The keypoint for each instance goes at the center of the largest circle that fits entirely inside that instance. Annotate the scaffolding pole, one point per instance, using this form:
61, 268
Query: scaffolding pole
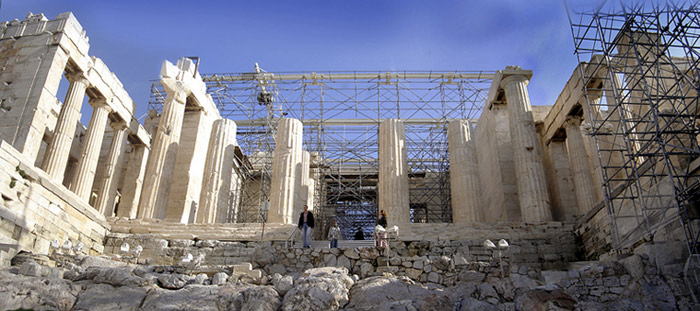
641, 84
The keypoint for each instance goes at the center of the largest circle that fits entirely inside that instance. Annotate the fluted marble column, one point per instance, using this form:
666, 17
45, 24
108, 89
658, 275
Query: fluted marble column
527, 153
161, 162
59, 148
302, 196
393, 194
285, 164
90, 153
112, 172
578, 163
131, 189
216, 191
464, 173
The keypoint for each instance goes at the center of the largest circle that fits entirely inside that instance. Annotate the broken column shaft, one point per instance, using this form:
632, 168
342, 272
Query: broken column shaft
464, 173
285, 164
216, 191
393, 194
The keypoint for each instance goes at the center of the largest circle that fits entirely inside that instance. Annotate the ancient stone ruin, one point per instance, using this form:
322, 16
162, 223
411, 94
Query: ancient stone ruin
588, 203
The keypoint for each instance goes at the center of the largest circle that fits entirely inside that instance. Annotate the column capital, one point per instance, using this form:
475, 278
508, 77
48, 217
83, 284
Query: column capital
514, 78
100, 103
178, 96
573, 121
118, 125
77, 76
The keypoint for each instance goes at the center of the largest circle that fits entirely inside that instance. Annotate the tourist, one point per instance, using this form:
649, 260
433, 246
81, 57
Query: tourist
306, 224
359, 235
382, 219
333, 234
380, 236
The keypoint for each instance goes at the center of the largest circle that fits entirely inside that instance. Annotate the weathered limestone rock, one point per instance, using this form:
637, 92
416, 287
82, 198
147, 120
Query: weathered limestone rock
22, 292
319, 289
200, 279
219, 278
581, 172
173, 281
107, 297
164, 299
112, 172
464, 173
544, 298
380, 293
248, 298
100, 261
30, 268
393, 172
216, 191
286, 161
282, 284
527, 154
59, 148
120, 276
87, 163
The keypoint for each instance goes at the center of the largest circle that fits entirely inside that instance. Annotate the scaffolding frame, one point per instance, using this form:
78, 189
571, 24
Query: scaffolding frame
641, 86
341, 112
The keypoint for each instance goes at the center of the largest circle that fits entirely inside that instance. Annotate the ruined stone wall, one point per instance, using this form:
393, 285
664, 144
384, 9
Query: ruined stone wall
35, 211
546, 246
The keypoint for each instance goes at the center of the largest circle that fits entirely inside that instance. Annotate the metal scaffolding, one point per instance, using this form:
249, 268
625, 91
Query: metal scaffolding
341, 112
641, 84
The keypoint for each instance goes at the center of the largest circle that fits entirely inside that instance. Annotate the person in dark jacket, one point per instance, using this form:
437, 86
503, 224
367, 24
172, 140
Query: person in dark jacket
382, 219
359, 235
306, 224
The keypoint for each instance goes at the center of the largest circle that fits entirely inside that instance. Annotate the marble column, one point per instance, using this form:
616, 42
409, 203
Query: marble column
110, 179
133, 177
59, 148
90, 153
393, 194
527, 154
161, 162
302, 196
285, 164
216, 191
578, 163
464, 173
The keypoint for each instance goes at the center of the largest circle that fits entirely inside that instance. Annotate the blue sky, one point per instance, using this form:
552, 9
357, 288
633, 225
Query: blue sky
134, 37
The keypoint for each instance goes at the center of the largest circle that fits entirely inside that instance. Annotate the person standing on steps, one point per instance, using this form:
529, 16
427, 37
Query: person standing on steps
380, 230
382, 219
334, 234
306, 224
359, 235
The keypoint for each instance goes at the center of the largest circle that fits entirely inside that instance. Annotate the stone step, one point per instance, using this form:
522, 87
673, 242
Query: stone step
314, 244
341, 244
578, 264
7, 246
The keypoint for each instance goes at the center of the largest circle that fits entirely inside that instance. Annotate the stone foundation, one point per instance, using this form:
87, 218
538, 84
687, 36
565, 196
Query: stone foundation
36, 210
545, 246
